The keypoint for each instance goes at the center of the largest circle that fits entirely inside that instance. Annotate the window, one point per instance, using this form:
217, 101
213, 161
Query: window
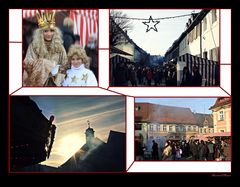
205, 130
164, 128
154, 128
205, 123
221, 116
151, 128
200, 130
189, 128
158, 127
194, 33
137, 108
194, 128
214, 15
213, 54
184, 129
138, 126
221, 130
177, 128
190, 37
170, 128
204, 24
198, 30
205, 55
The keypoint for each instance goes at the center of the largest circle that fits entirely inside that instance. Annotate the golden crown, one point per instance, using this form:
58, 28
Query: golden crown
46, 19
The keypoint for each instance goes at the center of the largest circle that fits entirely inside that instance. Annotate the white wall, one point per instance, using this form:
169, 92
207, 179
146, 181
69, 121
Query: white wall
210, 38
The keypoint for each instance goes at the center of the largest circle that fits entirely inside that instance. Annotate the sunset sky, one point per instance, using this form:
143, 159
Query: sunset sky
71, 113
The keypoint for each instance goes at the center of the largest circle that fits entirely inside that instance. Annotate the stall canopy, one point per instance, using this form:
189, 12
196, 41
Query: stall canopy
85, 22
216, 134
220, 134
119, 58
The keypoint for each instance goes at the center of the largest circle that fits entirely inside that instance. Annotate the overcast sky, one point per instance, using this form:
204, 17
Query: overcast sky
157, 43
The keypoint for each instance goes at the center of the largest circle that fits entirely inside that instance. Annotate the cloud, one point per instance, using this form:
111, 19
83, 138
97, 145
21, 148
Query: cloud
94, 107
92, 117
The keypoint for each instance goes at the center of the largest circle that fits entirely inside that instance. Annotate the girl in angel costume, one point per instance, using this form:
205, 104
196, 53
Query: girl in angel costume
79, 73
46, 54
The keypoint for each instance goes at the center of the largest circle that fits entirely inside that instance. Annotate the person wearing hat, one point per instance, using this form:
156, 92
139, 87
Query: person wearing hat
46, 59
79, 74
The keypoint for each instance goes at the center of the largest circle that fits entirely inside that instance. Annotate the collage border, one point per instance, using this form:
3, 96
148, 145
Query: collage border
224, 90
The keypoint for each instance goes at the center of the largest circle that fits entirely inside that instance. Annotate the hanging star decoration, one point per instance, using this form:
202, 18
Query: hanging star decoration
151, 24
74, 79
84, 77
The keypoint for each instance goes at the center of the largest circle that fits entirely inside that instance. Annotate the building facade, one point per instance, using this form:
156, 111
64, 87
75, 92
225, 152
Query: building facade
127, 45
201, 37
159, 122
221, 112
205, 123
31, 133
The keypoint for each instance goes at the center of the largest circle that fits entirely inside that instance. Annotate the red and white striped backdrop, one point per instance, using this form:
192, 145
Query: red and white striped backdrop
85, 22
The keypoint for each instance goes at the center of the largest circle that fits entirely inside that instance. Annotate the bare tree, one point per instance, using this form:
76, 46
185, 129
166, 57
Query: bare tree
118, 25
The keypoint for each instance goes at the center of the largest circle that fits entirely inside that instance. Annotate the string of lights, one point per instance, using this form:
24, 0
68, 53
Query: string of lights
144, 19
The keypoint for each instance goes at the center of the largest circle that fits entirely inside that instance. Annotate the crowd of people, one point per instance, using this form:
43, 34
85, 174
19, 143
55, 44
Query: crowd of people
55, 57
129, 75
194, 150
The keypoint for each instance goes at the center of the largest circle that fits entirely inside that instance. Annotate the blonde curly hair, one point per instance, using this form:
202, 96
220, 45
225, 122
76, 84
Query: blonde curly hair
80, 52
39, 44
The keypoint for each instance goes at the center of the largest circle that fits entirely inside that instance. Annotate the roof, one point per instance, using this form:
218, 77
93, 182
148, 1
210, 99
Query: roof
119, 58
129, 39
200, 118
107, 157
221, 102
118, 51
149, 112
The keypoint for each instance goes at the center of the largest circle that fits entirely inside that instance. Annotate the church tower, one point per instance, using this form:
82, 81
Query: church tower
89, 136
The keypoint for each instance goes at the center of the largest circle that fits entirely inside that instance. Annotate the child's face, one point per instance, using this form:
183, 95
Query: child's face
76, 61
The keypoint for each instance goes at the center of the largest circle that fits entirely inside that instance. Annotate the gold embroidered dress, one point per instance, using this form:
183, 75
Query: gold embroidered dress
38, 68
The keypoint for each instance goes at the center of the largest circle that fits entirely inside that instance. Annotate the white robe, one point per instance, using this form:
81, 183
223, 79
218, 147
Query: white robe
80, 77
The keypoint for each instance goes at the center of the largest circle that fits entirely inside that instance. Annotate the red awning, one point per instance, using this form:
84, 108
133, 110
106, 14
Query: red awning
218, 134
